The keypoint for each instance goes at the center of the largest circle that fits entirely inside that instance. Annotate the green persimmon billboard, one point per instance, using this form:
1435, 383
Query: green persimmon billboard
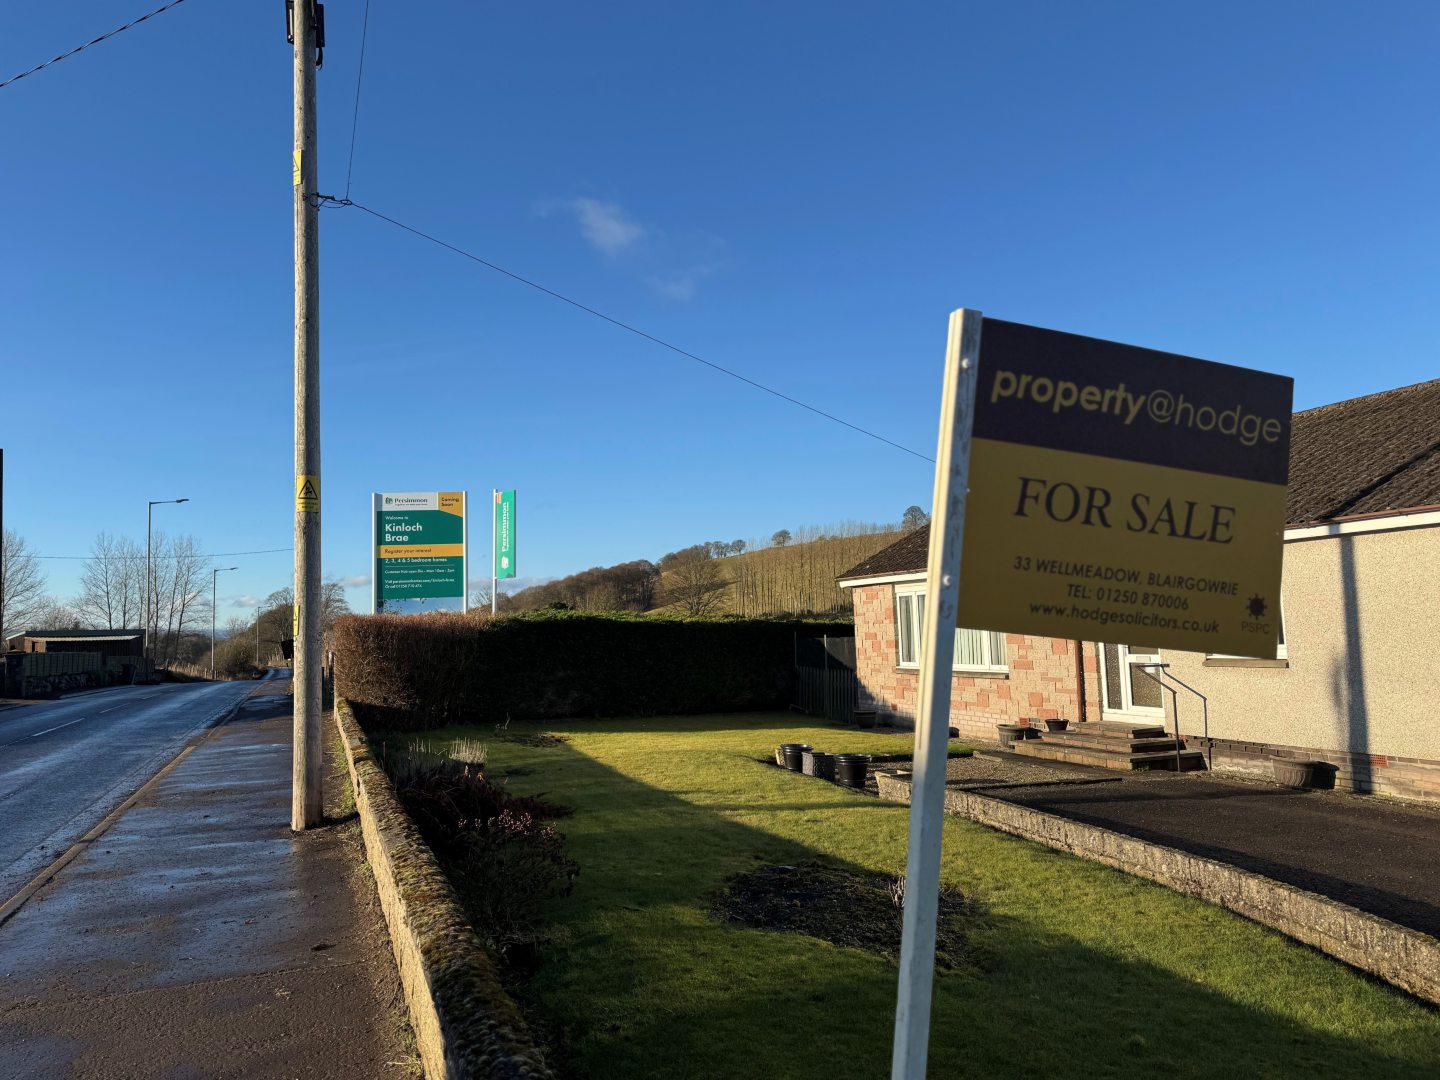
421, 547
504, 534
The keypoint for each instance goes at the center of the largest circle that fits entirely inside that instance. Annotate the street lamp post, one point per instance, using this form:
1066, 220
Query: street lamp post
150, 585
214, 574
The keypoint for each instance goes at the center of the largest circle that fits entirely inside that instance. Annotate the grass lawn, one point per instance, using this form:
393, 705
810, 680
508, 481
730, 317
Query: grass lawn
1080, 970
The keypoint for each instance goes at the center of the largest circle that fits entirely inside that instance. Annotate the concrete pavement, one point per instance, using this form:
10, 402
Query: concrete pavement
65, 764
199, 938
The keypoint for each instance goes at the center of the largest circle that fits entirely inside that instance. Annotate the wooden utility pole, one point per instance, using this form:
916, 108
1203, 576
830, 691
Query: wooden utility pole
306, 805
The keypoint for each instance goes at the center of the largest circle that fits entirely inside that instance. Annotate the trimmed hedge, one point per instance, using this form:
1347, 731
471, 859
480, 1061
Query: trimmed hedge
413, 672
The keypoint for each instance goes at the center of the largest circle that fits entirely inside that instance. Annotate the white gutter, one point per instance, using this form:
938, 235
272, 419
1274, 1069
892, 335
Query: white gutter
1390, 522
883, 579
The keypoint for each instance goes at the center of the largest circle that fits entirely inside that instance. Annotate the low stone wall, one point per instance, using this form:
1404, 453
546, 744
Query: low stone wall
465, 1024
1364, 774
1406, 958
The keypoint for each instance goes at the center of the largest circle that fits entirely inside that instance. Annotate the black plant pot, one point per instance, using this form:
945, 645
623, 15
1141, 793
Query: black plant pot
795, 755
851, 769
865, 718
1056, 725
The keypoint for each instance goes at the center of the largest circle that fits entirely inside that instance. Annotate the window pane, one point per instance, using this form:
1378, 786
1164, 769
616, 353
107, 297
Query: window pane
969, 648
1113, 699
997, 650
1145, 692
906, 627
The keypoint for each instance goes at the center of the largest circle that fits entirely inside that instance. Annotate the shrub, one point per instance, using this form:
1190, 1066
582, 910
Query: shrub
498, 849
412, 672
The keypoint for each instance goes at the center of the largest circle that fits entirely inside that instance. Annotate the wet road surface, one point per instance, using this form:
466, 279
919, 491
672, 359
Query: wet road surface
65, 764
200, 937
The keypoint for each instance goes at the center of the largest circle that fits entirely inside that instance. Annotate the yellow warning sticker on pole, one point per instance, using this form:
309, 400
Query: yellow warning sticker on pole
297, 168
307, 494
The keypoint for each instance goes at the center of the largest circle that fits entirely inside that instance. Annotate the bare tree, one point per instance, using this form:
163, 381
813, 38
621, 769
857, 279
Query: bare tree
53, 614
281, 603
693, 580
913, 518
112, 584
24, 584
181, 592
780, 538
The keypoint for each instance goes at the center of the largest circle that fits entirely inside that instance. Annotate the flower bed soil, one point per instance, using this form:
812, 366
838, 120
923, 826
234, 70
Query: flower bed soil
854, 910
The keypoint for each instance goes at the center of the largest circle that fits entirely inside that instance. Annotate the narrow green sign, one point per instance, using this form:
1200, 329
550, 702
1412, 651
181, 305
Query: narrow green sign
504, 534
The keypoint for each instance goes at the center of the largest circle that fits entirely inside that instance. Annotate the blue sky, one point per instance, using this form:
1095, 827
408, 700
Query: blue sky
801, 192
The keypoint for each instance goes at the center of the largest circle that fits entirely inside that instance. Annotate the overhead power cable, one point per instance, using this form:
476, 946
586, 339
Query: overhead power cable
97, 41
330, 200
355, 120
156, 558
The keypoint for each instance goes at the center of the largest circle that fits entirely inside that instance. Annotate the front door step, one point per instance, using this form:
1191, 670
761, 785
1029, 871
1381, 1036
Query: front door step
1108, 744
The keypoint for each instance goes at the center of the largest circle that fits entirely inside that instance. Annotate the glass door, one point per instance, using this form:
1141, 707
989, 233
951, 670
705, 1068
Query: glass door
1126, 687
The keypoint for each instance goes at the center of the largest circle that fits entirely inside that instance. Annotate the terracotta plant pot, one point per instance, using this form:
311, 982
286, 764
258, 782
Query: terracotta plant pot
1010, 734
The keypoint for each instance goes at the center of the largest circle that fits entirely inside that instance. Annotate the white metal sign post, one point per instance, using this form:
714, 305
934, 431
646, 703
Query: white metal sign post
932, 733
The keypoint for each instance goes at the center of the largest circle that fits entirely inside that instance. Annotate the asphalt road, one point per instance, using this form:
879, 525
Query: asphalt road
65, 764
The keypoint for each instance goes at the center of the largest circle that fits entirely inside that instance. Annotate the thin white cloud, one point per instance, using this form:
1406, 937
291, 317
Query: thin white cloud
679, 287
245, 602
355, 581
605, 225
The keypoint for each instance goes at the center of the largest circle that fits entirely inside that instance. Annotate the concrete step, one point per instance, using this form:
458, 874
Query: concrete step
1117, 729
1107, 742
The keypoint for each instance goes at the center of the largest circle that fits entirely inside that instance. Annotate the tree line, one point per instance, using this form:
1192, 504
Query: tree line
111, 596
793, 574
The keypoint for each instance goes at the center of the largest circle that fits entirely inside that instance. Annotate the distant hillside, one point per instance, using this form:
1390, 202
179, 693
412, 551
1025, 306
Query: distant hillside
796, 577
799, 577
791, 574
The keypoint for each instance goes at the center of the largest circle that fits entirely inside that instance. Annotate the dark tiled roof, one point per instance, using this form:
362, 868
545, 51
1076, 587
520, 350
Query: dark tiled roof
905, 555
1368, 455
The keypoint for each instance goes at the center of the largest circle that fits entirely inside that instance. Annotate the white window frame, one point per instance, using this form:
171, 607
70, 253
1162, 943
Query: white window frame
985, 642
1125, 690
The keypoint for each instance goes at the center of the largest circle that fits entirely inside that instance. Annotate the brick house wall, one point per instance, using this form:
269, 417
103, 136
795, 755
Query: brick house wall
1043, 681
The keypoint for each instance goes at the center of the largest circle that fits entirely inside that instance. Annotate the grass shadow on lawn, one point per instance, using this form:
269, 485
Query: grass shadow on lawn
1080, 970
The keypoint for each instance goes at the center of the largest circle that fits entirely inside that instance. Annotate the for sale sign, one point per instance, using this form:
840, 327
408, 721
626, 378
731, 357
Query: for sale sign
1122, 494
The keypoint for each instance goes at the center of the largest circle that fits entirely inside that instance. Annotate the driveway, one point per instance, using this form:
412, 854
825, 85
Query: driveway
1373, 854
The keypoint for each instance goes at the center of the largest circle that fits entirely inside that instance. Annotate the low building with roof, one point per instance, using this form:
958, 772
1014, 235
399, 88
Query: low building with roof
1356, 683
40, 662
